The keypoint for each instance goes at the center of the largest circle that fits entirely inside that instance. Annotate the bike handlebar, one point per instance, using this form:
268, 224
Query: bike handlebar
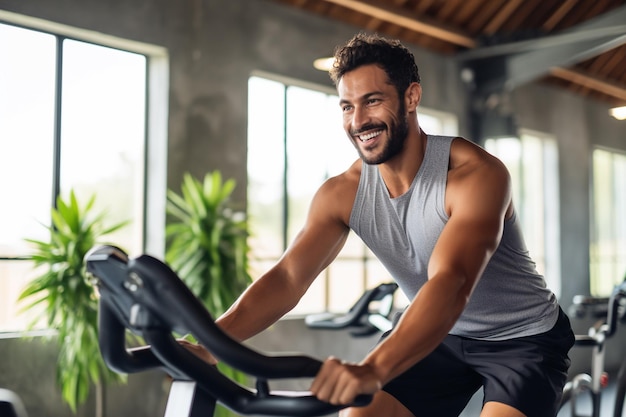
616, 303
146, 297
612, 309
360, 317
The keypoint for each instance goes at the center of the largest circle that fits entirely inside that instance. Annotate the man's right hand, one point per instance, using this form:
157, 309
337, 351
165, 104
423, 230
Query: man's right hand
199, 351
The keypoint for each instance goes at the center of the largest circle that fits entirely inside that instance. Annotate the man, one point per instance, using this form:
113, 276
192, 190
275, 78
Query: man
437, 212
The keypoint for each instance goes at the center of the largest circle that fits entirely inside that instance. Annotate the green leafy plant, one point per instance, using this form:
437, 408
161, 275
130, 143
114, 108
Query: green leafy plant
207, 241
207, 246
68, 300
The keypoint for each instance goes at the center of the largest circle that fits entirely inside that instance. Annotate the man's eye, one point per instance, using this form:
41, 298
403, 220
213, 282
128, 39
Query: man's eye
346, 108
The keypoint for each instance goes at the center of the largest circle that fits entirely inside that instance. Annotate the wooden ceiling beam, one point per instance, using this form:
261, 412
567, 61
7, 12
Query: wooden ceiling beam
503, 15
400, 17
585, 80
557, 16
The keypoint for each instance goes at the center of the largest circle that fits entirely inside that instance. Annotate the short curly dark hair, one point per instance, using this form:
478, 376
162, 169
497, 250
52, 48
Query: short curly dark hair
363, 49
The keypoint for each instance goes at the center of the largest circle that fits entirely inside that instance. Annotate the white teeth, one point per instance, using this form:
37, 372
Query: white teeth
365, 138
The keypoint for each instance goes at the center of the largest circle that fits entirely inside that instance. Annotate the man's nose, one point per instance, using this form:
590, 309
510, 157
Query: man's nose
360, 118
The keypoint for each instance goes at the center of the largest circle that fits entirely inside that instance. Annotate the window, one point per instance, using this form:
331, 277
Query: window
608, 227
295, 142
73, 115
532, 161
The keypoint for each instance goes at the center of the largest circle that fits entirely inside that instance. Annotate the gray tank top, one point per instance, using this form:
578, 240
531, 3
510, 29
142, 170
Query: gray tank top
510, 299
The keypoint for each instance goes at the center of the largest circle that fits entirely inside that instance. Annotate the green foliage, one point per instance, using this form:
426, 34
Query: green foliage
208, 248
207, 241
70, 305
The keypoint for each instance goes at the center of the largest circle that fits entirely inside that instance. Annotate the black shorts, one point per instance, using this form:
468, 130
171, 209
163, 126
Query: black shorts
527, 373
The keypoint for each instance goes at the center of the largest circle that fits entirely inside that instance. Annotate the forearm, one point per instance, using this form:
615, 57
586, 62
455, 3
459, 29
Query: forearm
261, 305
424, 325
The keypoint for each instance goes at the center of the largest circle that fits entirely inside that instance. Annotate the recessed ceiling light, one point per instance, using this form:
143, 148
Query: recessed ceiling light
324, 64
618, 112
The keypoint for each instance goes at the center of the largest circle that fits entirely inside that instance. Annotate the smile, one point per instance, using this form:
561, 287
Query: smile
369, 136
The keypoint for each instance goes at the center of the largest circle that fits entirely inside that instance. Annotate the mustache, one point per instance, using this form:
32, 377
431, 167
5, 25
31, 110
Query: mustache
365, 128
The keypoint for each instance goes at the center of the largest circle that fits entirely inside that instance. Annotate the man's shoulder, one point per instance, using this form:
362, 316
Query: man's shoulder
465, 154
348, 179
342, 185
471, 165
337, 194
475, 175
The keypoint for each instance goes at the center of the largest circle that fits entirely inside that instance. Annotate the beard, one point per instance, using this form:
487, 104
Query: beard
397, 134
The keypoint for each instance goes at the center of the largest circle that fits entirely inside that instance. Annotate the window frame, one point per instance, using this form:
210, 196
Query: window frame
600, 285
154, 158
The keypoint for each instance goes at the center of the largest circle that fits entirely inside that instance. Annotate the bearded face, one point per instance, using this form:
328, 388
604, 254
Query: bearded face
374, 115
396, 131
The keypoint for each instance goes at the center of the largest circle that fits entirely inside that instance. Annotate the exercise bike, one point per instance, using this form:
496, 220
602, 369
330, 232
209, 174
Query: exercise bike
144, 296
369, 315
609, 312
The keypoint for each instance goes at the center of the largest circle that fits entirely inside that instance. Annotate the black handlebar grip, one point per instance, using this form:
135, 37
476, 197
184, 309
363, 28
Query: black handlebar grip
112, 336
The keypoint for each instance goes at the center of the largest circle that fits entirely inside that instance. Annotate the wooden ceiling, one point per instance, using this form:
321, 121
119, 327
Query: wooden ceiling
579, 45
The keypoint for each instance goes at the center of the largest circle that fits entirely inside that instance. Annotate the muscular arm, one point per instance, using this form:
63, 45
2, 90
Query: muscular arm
317, 244
477, 200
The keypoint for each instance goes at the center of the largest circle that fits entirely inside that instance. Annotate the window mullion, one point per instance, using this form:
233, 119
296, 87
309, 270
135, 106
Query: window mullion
58, 106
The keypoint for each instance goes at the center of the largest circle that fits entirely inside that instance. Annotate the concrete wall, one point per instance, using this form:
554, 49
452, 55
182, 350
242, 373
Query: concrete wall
28, 367
214, 46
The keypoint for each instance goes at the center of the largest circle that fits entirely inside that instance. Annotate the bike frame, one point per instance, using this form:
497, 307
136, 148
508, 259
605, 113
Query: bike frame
595, 381
144, 296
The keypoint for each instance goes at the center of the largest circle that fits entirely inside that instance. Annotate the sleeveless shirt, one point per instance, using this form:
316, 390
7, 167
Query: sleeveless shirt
510, 299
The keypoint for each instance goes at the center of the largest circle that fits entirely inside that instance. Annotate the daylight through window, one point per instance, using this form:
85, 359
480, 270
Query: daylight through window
72, 117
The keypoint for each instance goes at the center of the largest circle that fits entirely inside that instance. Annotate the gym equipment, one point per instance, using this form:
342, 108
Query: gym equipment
369, 315
610, 311
11, 405
143, 295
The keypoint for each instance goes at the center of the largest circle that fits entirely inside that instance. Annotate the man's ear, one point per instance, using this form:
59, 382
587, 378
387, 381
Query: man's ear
413, 96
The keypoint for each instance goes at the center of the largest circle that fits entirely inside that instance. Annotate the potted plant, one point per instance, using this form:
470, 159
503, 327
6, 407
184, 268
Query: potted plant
68, 300
207, 245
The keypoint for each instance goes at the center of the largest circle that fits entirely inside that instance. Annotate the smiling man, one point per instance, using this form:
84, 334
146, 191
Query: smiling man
437, 212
